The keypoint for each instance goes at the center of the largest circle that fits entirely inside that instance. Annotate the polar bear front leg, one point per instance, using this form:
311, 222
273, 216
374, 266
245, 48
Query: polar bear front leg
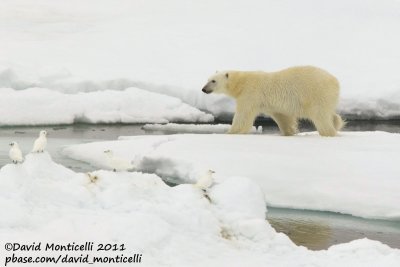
243, 119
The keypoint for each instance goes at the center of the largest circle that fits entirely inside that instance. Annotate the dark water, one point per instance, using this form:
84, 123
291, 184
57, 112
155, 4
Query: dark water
391, 126
315, 230
320, 230
61, 136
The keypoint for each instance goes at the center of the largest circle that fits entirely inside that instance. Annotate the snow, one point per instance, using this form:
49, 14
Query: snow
241, 197
170, 226
194, 128
355, 173
172, 49
104, 61
38, 106
368, 107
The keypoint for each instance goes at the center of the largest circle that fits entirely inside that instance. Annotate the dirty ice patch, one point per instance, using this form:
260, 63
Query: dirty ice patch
194, 128
37, 106
355, 173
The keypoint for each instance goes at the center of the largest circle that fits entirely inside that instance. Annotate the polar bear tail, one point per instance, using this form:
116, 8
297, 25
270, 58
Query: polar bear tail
338, 122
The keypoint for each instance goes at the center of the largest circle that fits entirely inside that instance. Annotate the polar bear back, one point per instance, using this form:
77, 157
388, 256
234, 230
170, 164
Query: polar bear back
299, 91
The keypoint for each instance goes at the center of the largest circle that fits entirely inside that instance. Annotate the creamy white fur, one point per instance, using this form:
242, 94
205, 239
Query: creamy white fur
288, 95
15, 153
206, 180
40, 143
116, 163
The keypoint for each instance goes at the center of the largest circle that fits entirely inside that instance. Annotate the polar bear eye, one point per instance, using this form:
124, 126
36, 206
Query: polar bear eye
213, 81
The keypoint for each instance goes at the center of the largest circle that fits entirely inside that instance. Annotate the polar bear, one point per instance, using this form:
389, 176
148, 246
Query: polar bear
298, 92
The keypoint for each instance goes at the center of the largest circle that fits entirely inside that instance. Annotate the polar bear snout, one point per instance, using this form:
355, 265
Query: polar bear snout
206, 89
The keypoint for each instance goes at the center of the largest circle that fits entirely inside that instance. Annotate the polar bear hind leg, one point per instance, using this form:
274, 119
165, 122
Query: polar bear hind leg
287, 124
324, 124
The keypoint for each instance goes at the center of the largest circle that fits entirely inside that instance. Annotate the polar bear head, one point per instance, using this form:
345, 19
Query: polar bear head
218, 83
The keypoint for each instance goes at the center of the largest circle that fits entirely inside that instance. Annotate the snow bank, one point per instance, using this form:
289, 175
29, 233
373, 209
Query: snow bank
369, 107
356, 173
169, 226
78, 46
194, 128
42, 106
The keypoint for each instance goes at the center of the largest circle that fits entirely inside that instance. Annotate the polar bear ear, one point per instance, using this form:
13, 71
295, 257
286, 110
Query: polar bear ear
227, 75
